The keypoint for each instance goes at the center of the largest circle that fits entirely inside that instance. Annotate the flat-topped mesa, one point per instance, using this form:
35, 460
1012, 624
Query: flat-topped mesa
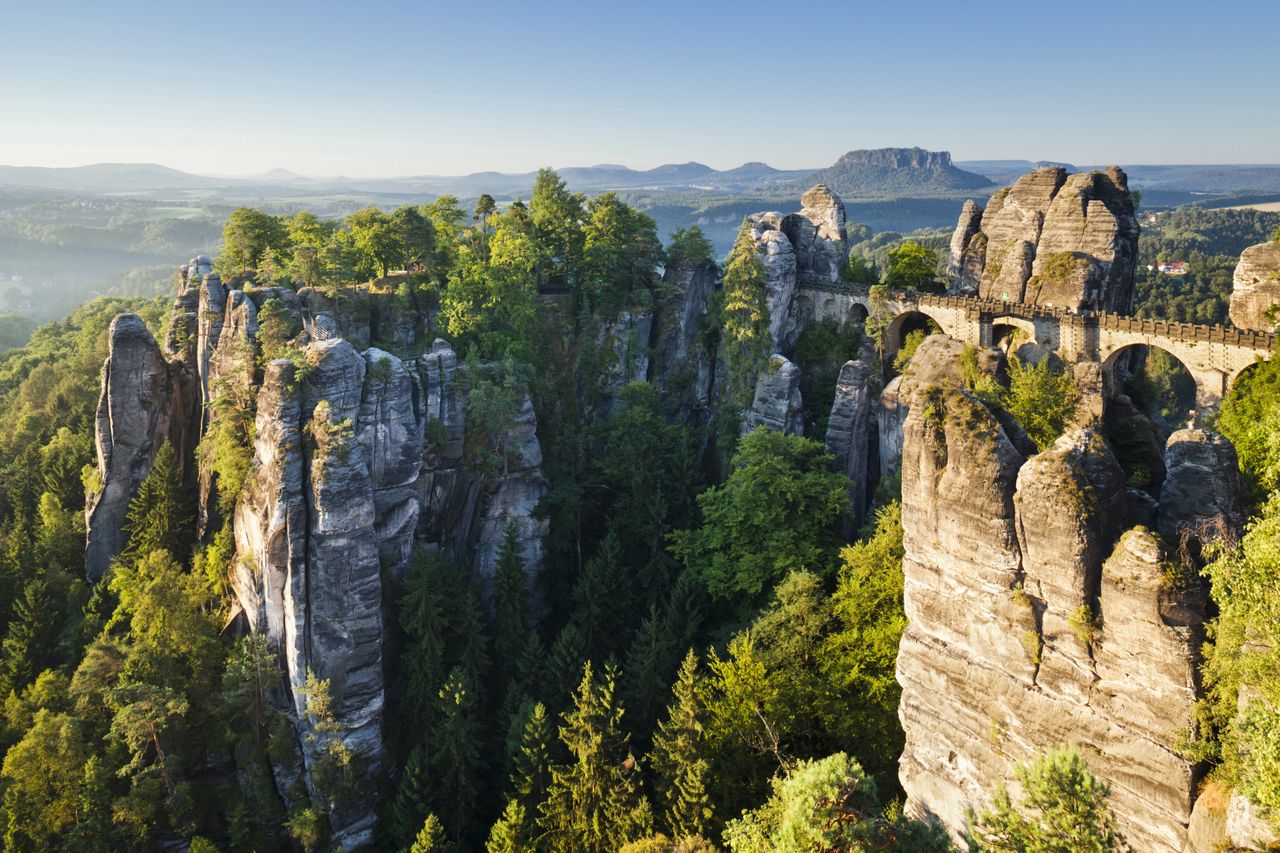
1255, 288
1052, 238
1036, 619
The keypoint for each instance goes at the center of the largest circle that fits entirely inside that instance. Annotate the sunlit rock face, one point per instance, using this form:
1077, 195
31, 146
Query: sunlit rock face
1255, 288
1037, 619
1052, 238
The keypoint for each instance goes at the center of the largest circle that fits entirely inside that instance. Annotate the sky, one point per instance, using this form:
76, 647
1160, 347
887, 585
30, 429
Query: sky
381, 88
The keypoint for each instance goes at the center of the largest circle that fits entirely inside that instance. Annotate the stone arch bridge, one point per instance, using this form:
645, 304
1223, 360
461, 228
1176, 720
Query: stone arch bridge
1215, 356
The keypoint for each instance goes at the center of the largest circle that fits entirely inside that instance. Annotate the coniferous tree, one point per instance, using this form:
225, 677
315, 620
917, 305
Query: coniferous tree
413, 796
745, 333
160, 516
455, 765
431, 837
595, 802
512, 832
564, 664
677, 760
511, 619
599, 602
650, 664
422, 619
31, 643
531, 767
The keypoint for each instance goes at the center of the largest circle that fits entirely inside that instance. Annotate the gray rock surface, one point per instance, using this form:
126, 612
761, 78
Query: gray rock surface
1031, 624
849, 432
140, 406
777, 403
779, 258
964, 265
1202, 485
817, 234
1256, 286
1068, 241
1247, 828
682, 366
624, 342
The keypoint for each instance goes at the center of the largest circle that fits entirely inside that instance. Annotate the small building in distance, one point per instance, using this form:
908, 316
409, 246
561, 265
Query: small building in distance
1172, 267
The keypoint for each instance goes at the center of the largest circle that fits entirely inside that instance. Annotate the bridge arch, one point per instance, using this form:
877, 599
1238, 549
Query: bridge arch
904, 324
1189, 385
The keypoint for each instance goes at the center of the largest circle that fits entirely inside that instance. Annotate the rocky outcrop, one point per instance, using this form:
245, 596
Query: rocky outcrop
777, 403
849, 433
817, 234
937, 362
779, 258
624, 347
141, 406
1256, 287
1202, 486
683, 367
1033, 621
964, 268
1068, 241
359, 456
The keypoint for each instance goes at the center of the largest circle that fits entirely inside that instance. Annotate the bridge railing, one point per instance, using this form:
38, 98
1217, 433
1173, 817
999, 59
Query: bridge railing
1183, 332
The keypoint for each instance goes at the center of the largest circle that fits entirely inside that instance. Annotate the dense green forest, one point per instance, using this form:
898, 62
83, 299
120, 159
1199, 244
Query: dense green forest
712, 665
1210, 243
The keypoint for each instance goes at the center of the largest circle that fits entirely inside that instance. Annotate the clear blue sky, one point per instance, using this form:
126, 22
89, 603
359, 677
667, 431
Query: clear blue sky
396, 88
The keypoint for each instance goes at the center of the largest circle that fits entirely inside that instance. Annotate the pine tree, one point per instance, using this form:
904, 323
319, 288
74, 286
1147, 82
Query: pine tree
160, 516
413, 797
564, 664
677, 761
31, 643
422, 619
598, 600
594, 802
511, 834
511, 620
431, 837
455, 765
651, 662
531, 766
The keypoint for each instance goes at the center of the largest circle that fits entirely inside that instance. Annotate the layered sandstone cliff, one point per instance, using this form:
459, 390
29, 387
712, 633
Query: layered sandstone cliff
1054, 239
1255, 288
358, 457
1036, 618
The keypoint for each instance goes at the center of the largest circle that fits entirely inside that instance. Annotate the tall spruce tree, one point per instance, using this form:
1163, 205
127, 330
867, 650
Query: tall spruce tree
456, 770
30, 645
511, 618
595, 802
650, 663
531, 765
412, 799
677, 760
160, 517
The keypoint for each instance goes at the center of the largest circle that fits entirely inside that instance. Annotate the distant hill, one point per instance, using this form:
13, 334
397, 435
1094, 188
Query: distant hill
104, 177
1004, 172
905, 172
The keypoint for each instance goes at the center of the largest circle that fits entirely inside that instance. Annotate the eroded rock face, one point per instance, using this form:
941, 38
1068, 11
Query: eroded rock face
849, 432
777, 403
1034, 622
817, 234
625, 342
1069, 241
683, 368
139, 408
935, 363
964, 269
357, 460
1256, 286
1202, 485
779, 258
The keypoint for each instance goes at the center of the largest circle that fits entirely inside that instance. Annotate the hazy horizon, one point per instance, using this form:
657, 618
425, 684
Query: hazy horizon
396, 88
